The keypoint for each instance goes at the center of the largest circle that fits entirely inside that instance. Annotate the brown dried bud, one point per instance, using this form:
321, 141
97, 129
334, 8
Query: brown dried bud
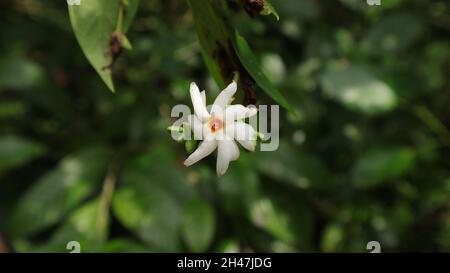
253, 7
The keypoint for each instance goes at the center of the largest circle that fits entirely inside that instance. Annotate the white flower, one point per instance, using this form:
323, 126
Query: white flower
220, 127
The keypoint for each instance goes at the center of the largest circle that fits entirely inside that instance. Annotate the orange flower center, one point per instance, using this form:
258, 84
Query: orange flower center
215, 124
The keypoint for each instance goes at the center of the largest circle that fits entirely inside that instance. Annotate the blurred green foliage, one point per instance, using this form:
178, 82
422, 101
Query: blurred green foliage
365, 159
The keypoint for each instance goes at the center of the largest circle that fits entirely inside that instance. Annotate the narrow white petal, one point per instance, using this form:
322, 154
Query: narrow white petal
238, 112
205, 148
224, 98
196, 126
243, 133
227, 151
203, 93
197, 102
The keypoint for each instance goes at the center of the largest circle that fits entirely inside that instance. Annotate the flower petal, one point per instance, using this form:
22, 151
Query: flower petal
203, 93
197, 102
224, 98
227, 151
243, 133
238, 112
205, 148
196, 127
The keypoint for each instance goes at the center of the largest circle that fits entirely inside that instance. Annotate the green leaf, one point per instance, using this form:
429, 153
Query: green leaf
130, 13
228, 246
160, 164
392, 34
124, 245
293, 166
298, 10
381, 165
149, 202
358, 90
19, 73
125, 42
332, 238
198, 225
190, 145
93, 23
226, 52
283, 214
274, 68
59, 191
252, 66
213, 36
150, 212
266, 215
81, 227
269, 9
240, 187
16, 151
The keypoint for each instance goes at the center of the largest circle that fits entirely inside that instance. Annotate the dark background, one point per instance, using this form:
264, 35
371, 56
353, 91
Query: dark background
367, 158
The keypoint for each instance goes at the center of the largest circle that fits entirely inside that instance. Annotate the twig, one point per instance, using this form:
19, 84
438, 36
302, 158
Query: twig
433, 123
105, 199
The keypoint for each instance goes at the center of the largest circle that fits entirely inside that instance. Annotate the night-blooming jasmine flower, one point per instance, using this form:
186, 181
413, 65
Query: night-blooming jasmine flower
220, 127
